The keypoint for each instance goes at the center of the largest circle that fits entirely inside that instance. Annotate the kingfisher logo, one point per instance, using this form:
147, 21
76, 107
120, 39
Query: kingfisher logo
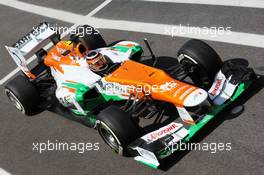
171, 128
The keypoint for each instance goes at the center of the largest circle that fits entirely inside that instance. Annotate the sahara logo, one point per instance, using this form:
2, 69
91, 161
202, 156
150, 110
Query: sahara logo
162, 132
217, 86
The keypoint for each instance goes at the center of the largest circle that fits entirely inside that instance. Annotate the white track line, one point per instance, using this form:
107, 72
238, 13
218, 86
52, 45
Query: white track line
43, 11
240, 38
236, 3
60, 14
4, 172
97, 9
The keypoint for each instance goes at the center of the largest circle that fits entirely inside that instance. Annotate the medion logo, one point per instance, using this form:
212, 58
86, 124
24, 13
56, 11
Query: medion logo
162, 132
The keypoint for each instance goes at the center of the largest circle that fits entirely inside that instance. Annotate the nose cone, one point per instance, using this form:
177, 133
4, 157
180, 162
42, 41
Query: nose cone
195, 98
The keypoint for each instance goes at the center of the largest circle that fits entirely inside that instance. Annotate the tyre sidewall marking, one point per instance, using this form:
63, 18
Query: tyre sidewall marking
120, 148
16, 100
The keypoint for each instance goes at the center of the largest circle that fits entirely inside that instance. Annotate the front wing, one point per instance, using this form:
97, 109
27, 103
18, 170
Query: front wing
156, 145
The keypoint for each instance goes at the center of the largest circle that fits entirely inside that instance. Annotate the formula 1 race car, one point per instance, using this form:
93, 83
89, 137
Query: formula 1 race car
140, 109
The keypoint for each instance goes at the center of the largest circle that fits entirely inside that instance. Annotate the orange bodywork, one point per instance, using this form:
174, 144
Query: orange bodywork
137, 74
55, 56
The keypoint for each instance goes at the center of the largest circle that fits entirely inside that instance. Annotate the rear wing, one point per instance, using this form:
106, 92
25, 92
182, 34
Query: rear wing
30, 42
35, 37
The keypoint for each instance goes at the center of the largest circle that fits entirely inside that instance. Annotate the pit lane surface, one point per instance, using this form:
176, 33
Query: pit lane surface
245, 133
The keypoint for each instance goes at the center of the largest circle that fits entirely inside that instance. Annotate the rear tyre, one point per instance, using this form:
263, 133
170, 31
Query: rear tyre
90, 37
204, 60
23, 95
117, 129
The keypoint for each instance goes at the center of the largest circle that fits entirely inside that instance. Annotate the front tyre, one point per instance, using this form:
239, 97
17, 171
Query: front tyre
204, 60
23, 95
117, 129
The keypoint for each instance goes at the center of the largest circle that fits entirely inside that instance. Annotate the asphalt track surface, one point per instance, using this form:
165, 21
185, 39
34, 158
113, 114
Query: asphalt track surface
245, 132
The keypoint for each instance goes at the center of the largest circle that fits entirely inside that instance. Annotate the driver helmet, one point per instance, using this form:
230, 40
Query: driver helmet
96, 61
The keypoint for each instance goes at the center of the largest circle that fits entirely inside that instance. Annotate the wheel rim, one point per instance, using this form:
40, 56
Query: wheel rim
199, 75
109, 137
14, 100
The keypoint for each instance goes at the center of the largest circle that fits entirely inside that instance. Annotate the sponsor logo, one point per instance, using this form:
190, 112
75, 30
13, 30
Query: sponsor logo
168, 86
30, 36
217, 86
162, 132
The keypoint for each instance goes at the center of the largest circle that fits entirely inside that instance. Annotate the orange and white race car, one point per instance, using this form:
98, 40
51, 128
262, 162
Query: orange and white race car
111, 88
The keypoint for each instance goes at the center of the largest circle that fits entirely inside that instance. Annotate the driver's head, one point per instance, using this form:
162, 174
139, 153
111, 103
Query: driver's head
96, 61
